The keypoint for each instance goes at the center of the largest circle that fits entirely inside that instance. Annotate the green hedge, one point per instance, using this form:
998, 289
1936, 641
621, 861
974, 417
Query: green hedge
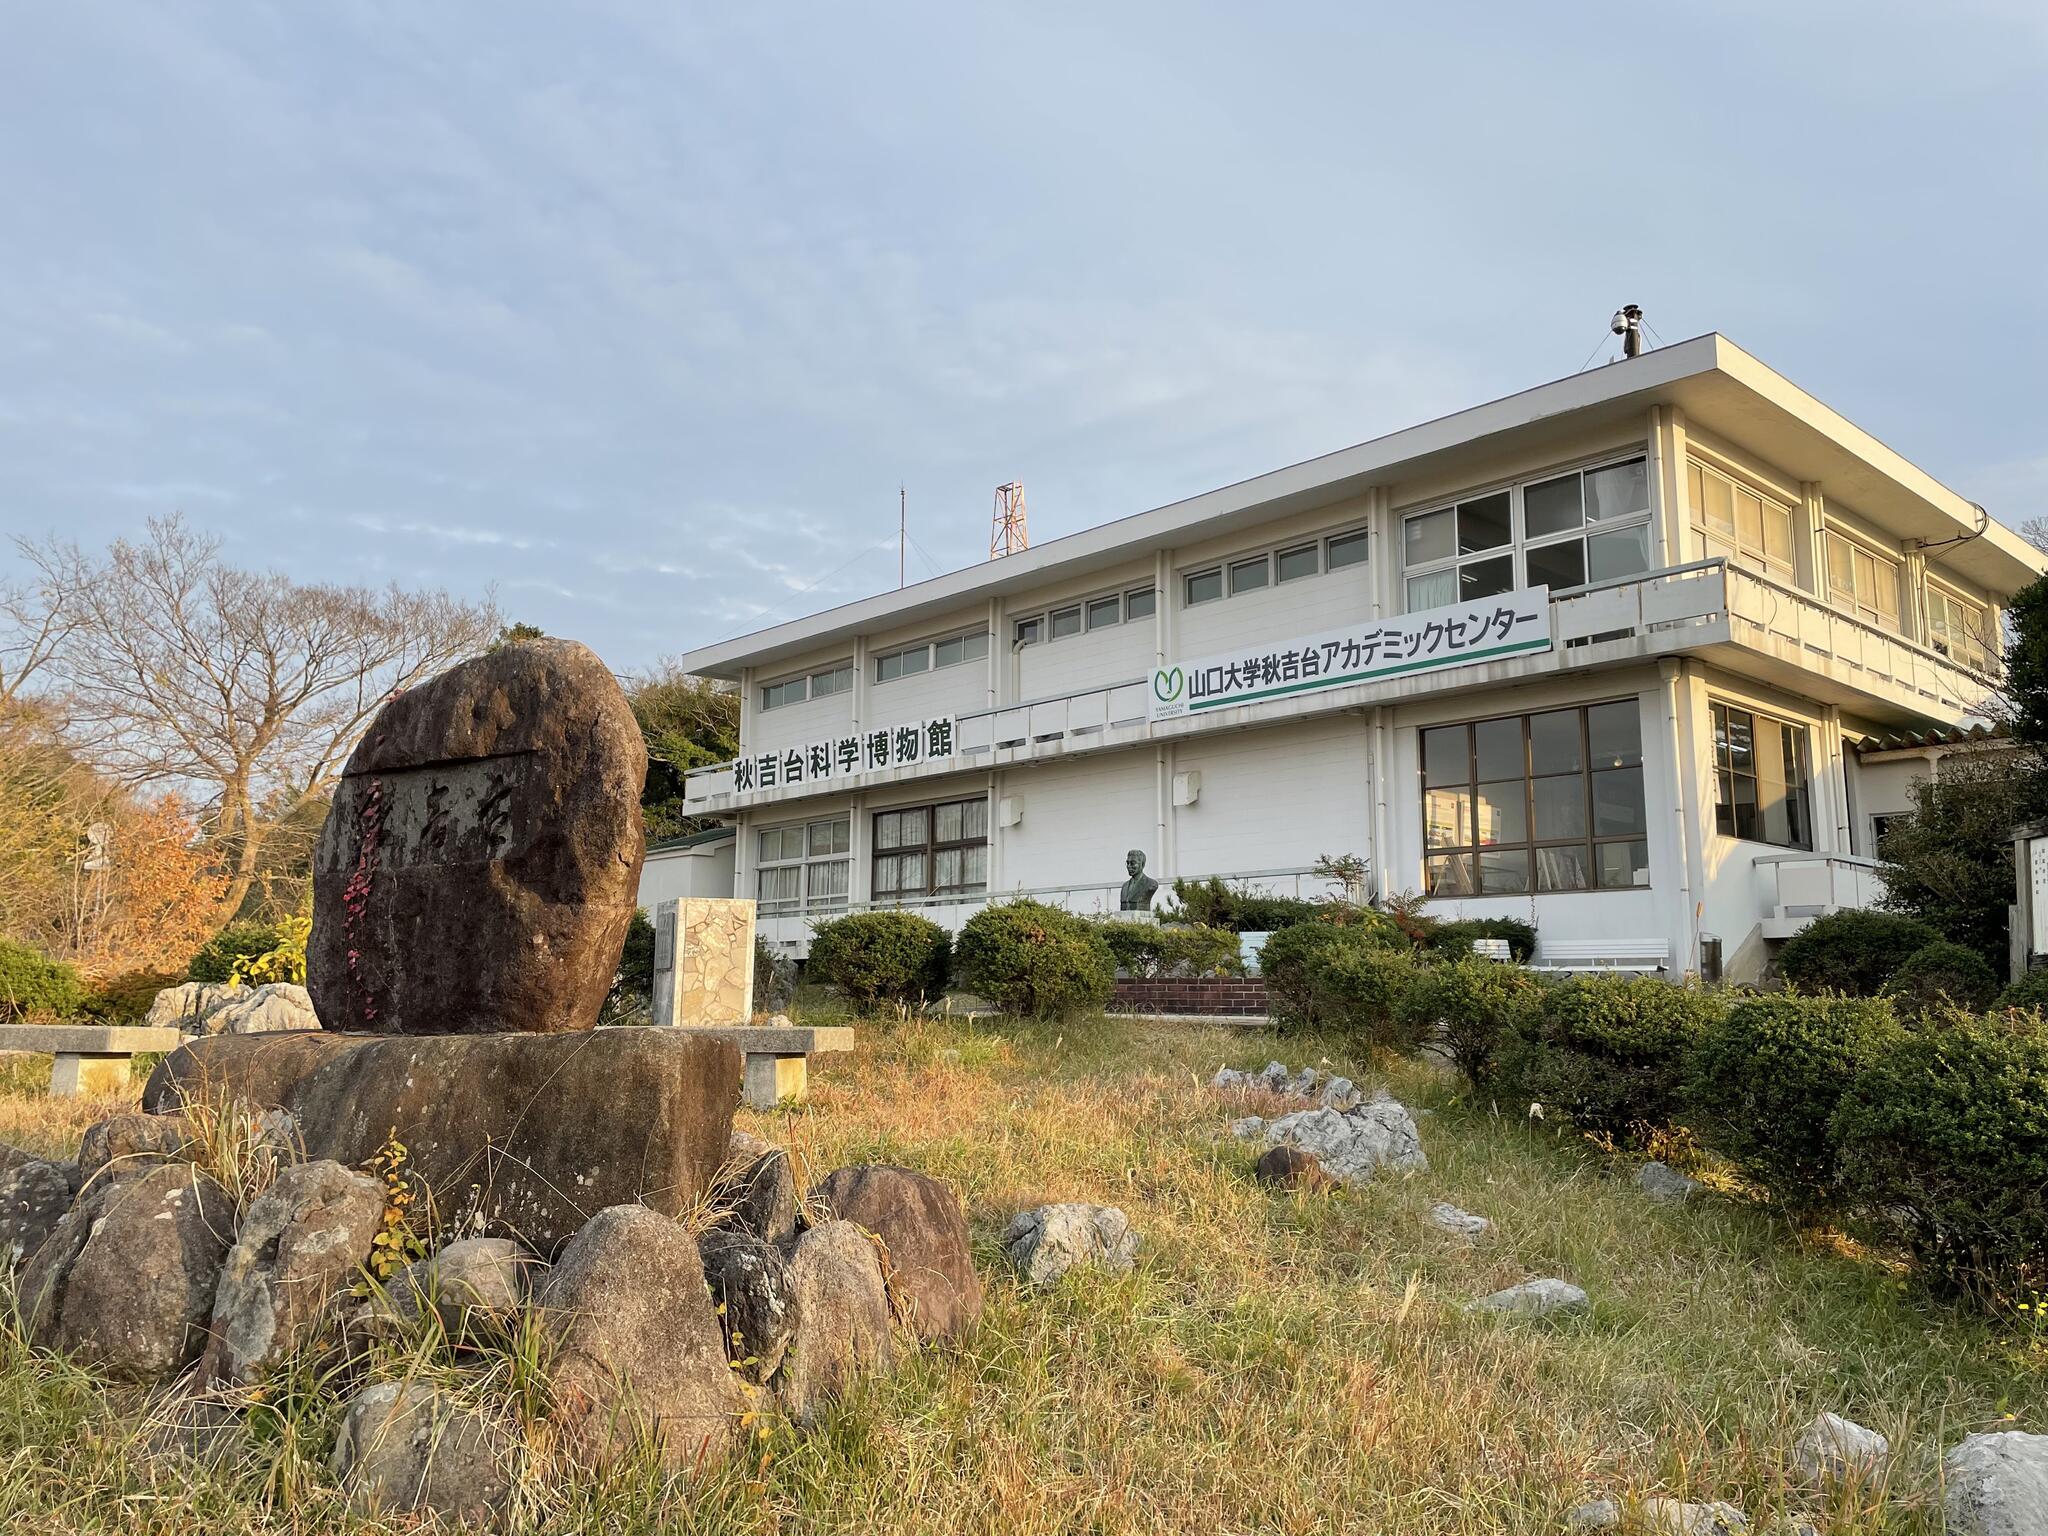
1767, 1077
1035, 961
1362, 989
2030, 991
1611, 1052
1943, 1142
1173, 949
1284, 963
238, 941
125, 999
1469, 1005
34, 986
1854, 952
1212, 904
1943, 975
1457, 936
882, 959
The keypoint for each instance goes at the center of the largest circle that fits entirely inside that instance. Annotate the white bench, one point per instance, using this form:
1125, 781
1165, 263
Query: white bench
1636, 956
1492, 949
90, 1058
775, 1058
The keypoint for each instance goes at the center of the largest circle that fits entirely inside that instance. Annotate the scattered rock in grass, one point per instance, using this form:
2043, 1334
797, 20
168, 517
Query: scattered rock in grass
185, 1006
924, 1235
46, 1275
1230, 1080
1835, 1449
1665, 1184
1547, 1297
138, 1295
299, 1245
1247, 1128
1997, 1485
1046, 1243
1448, 1218
751, 1282
1274, 1077
1594, 1515
1292, 1168
131, 1143
1340, 1093
1353, 1145
842, 1319
638, 1349
260, 1010
1670, 1517
745, 1146
465, 1282
34, 1195
406, 1448
759, 1196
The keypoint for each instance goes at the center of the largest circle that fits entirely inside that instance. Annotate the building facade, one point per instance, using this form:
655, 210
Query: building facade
1597, 655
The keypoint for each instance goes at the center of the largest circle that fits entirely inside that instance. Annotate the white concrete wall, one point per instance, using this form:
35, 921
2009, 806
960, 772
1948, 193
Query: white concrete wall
1277, 798
1080, 818
680, 872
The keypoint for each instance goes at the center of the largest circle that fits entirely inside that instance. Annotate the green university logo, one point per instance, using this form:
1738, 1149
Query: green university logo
1167, 684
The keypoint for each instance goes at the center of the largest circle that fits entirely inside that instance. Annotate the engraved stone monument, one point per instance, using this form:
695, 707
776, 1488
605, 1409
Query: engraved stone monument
703, 961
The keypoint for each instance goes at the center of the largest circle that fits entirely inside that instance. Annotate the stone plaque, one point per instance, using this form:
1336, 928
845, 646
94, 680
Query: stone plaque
481, 859
704, 973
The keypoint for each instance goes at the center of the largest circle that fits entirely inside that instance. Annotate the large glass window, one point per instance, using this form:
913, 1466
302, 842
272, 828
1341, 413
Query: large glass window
1561, 531
1544, 802
1863, 582
1732, 520
950, 652
802, 867
818, 685
1761, 787
931, 850
1958, 629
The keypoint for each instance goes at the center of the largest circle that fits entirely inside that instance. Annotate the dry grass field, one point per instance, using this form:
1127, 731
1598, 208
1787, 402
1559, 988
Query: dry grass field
1276, 1363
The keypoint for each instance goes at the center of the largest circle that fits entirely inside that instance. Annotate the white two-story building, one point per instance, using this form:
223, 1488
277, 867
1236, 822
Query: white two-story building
1594, 655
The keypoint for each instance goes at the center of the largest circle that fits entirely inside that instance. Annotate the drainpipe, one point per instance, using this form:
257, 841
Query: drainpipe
1382, 853
1162, 786
1684, 770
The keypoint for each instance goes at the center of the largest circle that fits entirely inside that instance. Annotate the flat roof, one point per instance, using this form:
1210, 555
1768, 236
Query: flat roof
1714, 382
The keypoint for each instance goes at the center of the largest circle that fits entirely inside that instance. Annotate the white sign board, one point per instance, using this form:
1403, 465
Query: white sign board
1513, 624
838, 757
2037, 902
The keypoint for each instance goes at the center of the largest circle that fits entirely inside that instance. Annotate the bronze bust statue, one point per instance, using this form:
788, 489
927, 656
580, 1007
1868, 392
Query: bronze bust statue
1138, 890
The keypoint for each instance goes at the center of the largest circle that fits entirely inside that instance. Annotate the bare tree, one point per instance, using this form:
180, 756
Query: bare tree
33, 624
248, 687
2035, 531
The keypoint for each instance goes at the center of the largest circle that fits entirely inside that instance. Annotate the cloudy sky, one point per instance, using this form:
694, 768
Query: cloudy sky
640, 314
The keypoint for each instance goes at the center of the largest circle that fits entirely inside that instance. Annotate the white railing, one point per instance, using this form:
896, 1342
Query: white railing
1809, 884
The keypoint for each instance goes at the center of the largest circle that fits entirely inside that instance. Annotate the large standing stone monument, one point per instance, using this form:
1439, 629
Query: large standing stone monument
481, 860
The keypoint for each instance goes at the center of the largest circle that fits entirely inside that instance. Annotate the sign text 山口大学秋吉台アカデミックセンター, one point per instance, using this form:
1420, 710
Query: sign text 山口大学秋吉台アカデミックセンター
851, 752
1511, 624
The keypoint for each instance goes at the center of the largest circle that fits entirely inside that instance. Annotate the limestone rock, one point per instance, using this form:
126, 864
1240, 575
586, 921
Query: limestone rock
745, 1146
1536, 1298
1340, 1093
301, 1242
1448, 1218
1046, 1243
138, 1296
470, 1279
481, 858
1292, 1168
1594, 1515
276, 1005
842, 1327
186, 1006
131, 1143
405, 1448
1353, 1146
34, 1196
759, 1196
1669, 1517
520, 1136
924, 1233
1836, 1449
638, 1348
1249, 1127
752, 1282
1664, 1184
1997, 1485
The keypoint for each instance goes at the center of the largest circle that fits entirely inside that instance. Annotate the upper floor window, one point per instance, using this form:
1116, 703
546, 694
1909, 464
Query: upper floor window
803, 867
1762, 791
1742, 524
815, 685
1277, 567
912, 659
1863, 582
1104, 612
1959, 629
1562, 531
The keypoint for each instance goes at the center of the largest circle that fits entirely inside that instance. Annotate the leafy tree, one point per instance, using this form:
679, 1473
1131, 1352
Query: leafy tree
2025, 701
1949, 863
512, 634
689, 722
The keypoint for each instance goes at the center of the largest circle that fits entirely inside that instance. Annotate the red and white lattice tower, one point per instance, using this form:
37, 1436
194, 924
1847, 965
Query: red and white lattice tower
1007, 532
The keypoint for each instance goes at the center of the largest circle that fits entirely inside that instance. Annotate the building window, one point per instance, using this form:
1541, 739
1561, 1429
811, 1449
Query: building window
1302, 560
1140, 603
817, 685
1761, 789
1348, 549
1546, 802
1562, 531
1204, 586
1882, 825
931, 850
1862, 582
1095, 613
803, 867
1957, 628
950, 652
1249, 575
1030, 631
1064, 622
1105, 612
1731, 519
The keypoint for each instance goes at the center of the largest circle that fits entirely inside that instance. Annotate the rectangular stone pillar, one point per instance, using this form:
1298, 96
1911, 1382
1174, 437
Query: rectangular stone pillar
703, 961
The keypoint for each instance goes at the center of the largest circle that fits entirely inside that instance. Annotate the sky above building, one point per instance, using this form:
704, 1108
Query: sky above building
639, 315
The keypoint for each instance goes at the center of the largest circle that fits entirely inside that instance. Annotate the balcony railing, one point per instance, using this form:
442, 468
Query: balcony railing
1795, 888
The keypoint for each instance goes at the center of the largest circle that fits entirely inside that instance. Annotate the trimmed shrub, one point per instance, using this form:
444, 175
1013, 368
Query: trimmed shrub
1212, 904
1468, 1005
125, 999
1852, 952
1035, 961
1612, 1052
1172, 949
882, 959
1457, 936
1284, 962
631, 998
1943, 975
1361, 989
238, 941
1944, 1140
33, 985
2030, 991
1767, 1077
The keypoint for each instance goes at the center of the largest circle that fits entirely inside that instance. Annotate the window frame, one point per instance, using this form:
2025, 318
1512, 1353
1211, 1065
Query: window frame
803, 861
1361, 536
930, 648
930, 849
1758, 559
1851, 602
1726, 775
1980, 654
1313, 549
1040, 623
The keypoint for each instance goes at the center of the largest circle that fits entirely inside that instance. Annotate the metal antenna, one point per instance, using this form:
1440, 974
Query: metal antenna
1007, 530
902, 530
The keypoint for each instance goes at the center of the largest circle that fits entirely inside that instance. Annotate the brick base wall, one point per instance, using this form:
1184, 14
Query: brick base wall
1223, 996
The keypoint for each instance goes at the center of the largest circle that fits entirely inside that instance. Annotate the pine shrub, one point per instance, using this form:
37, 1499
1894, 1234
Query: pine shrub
1284, 959
1469, 1005
125, 999
33, 986
238, 941
882, 960
1611, 1052
1943, 975
1853, 952
1362, 989
1035, 961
